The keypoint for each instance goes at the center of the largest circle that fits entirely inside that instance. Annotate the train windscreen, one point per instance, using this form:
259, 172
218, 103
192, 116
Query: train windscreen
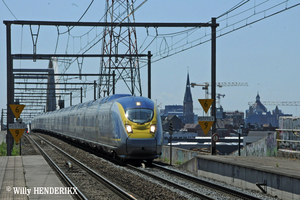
139, 115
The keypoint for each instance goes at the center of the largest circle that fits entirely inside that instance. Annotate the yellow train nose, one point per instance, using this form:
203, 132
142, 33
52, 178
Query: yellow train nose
141, 131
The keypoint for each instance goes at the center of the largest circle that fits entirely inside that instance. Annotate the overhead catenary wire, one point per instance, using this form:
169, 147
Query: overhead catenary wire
93, 43
234, 8
222, 28
235, 14
9, 10
79, 18
89, 45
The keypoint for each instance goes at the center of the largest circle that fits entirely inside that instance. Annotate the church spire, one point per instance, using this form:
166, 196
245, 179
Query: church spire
257, 97
188, 94
188, 113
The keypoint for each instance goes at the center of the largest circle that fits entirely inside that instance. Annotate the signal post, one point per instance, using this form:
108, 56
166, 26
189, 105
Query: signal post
18, 128
206, 122
171, 135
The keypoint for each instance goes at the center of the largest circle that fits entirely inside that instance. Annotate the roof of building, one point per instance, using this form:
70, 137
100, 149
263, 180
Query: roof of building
259, 133
258, 107
186, 126
169, 118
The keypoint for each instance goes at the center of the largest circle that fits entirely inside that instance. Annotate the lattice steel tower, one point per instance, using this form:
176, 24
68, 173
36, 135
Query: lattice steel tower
119, 40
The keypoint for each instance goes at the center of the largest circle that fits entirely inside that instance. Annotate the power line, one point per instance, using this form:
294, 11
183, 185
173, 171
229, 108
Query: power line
249, 16
240, 15
9, 10
80, 17
234, 8
174, 43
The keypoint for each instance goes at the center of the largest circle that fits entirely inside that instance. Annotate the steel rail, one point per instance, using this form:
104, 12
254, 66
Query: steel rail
64, 177
123, 194
208, 184
180, 187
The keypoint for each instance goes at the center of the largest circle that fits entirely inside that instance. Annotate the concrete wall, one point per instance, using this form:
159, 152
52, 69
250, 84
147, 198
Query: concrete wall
266, 146
284, 187
179, 156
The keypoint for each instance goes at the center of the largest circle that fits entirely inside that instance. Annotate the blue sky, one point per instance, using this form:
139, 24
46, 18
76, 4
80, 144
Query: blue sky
264, 54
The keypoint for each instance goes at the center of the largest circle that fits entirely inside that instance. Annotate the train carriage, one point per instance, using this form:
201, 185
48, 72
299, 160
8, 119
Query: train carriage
127, 126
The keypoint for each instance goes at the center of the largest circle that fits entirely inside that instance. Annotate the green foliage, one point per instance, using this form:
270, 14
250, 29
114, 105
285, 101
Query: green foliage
15, 150
3, 149
178, 163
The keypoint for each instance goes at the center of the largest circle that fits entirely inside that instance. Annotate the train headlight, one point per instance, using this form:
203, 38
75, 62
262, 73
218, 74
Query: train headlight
129, 129
152, 128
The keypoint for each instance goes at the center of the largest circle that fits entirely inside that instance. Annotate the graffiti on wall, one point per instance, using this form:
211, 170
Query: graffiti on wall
266, 146
271, 145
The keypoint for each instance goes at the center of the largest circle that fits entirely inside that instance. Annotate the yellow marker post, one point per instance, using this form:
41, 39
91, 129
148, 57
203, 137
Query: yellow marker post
205, 125
205, 103
17, 133
17, 109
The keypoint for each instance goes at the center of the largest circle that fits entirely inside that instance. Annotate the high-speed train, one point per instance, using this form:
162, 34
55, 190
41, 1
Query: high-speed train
124, 125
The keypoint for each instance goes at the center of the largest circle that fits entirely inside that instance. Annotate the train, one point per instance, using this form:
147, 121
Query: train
128, 127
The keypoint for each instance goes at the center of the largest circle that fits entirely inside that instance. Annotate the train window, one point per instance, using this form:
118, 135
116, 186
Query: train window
139, 115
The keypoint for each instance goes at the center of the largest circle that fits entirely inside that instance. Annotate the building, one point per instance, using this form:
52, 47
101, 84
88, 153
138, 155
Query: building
235, 118
179, 136
259, 114
173, 110
194, 128
229, 122
177, 124
188, 114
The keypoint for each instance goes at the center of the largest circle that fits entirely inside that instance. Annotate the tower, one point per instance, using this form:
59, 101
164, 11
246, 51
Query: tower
51, 101
119, 40
188, 114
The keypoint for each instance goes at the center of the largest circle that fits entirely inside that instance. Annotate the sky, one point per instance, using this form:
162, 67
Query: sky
264, 54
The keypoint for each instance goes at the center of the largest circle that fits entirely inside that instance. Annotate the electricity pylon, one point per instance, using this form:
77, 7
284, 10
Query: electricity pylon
119, 40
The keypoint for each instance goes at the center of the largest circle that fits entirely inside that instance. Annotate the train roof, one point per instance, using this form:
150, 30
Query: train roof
117, 96
131, 102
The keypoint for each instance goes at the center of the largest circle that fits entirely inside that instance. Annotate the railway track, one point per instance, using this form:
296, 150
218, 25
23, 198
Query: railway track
170, 183
140, 186
211, 190
158, 185
71, 166
231, 193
